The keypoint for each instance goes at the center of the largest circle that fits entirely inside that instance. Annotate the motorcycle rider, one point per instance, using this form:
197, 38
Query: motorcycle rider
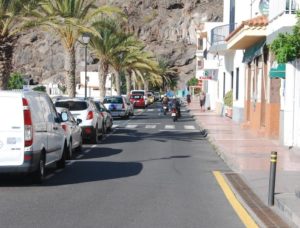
165, 102
177, 105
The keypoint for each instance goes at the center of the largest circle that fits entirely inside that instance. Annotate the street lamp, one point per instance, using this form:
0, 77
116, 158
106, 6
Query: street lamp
85, 40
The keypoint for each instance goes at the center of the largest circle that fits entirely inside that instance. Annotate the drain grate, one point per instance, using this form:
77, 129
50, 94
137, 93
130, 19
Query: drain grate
268, 217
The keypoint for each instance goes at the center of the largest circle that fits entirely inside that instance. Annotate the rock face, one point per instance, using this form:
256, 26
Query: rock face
166, 26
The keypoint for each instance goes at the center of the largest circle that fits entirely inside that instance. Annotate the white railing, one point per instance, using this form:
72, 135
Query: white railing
278, 8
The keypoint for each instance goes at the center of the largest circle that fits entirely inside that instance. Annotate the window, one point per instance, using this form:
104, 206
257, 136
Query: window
237, 83
224, 83
200, 44
232, 77
231, 16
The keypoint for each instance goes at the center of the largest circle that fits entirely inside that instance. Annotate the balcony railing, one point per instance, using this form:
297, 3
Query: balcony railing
218, 34
281, 7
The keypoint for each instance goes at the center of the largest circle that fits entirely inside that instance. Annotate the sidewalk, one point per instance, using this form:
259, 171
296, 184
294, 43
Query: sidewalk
249, 155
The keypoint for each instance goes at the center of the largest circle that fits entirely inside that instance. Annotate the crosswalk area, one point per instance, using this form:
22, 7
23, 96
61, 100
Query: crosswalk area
158, 126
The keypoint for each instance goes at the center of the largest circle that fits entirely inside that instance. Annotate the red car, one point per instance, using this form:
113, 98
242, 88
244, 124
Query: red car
137, 100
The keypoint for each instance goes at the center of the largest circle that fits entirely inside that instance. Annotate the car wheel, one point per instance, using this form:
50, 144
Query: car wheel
39, 175
60, 164
79, 148
70, 151
95, 136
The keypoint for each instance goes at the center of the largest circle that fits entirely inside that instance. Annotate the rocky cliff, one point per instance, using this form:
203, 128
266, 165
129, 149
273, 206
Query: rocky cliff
166, 26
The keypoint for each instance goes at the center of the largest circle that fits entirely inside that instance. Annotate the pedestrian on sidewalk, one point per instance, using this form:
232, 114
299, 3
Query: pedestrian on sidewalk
202, 101
188, 99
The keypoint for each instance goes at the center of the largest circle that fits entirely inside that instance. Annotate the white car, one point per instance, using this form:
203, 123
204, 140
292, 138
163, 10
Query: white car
31, 136
73, 131
117, 106
92, 121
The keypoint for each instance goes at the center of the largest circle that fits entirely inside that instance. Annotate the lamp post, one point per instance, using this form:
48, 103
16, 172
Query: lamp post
85, 40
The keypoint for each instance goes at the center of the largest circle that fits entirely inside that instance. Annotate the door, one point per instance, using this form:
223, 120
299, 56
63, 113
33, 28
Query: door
54, 131
11, 130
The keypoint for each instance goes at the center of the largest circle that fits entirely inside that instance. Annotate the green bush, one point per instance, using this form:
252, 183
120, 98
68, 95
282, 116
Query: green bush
40, 88
228, 99
15, 81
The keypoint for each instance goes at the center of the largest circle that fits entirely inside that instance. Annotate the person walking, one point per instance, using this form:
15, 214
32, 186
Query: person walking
202, 101
188, 99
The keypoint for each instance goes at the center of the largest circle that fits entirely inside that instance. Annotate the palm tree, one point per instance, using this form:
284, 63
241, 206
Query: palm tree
104, 46
12, 22
68, 19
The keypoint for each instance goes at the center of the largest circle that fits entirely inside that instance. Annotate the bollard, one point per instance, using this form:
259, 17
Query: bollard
272, 177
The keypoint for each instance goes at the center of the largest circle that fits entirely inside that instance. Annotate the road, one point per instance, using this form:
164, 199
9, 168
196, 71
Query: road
149, 172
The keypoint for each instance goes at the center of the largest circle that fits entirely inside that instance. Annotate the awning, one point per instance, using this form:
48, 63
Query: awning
254, 51
278, 71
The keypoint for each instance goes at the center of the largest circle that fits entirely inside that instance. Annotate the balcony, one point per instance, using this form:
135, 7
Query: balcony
282, 17
218, 35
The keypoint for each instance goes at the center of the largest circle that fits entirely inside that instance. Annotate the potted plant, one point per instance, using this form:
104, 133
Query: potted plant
228, 100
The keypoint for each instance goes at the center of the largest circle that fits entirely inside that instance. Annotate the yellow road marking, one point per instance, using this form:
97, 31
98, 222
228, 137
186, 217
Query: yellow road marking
239, 209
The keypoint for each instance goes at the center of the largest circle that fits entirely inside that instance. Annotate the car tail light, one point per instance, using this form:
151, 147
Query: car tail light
88, 130
90, 115
28, 129
64, 126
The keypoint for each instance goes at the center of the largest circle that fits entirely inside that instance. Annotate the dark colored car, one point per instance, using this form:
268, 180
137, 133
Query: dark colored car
137, 100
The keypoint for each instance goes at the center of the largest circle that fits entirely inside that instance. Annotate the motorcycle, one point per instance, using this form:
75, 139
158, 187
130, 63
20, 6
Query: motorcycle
174, 113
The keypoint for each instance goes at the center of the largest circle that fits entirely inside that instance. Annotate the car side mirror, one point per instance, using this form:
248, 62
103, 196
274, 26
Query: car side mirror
78, 121
57, 120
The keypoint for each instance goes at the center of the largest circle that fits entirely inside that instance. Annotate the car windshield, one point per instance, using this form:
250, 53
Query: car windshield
72, 105
113, 100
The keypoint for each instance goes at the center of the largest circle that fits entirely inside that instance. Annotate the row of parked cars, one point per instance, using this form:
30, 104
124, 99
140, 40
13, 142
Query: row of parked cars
36, 131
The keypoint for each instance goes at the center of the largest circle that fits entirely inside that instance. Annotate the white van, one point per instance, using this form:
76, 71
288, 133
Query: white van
31, 136
140, 91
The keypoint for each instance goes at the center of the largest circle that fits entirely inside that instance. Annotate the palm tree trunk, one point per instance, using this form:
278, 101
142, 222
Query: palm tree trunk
102, 74
118, 83
128, 82
146, 85
6, 55
70, 68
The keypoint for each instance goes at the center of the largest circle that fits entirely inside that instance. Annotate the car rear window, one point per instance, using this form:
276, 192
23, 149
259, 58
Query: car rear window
72, 105
138, 92
113, 100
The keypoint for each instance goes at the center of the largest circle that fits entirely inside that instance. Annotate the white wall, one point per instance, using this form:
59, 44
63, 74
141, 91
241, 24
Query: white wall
292, 105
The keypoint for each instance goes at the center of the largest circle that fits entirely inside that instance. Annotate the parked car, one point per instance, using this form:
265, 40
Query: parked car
107, 117
31, 135
143, 92
131, 108
117, 106
86, 110
137, 100
156, 96
150, 97
73, 131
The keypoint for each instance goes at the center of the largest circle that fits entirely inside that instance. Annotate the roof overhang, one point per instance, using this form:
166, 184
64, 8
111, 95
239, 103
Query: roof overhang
246, 37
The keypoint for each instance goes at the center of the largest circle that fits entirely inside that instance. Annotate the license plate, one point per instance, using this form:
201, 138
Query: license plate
173, 114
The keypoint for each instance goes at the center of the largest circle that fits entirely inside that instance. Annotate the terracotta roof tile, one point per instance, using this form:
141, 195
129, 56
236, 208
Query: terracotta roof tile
259, 21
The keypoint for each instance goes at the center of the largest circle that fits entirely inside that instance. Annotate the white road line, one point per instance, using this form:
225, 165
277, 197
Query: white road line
150, 126
146, 123
150, 110
189, 127
70, 162
179, 130
170, 127
115, 126
93, 146
130, 126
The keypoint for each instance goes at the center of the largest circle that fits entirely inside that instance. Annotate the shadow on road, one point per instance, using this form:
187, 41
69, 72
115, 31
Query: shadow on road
79, 172
100, 152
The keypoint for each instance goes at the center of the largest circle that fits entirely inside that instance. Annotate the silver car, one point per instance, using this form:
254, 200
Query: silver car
72, 129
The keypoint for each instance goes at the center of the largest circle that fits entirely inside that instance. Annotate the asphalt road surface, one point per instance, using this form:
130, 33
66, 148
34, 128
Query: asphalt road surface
148, 173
